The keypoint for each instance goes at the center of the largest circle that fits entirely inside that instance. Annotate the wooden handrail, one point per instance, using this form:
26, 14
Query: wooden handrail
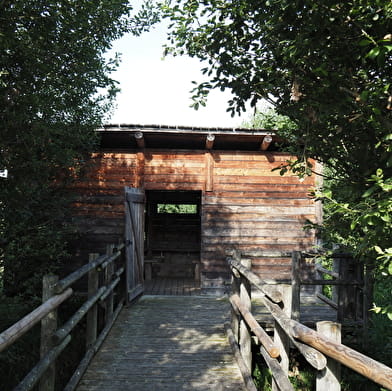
366, 366
262, 336
13, 333
261, 285
35, 374
79, 273
62, 332
57, 340
321, 269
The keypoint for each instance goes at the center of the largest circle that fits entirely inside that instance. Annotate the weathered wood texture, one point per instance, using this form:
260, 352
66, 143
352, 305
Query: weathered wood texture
172, 287
312, 310
167, 343
244, 204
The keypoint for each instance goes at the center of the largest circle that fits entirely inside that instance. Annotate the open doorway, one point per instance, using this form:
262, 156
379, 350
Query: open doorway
172, 239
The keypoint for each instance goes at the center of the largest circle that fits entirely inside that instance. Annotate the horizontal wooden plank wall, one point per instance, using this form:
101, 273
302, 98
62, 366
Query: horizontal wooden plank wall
245, 205
255, 210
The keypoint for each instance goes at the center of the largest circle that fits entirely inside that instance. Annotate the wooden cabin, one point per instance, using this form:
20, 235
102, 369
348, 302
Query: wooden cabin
199, 192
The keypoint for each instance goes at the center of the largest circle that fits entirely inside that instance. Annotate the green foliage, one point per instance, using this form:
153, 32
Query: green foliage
14, 362
269, 120
262, 377
19, 358
55, 89
326, 66
361, 224
177, 208
307, 58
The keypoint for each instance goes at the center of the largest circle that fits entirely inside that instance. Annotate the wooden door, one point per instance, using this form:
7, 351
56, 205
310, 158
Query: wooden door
134, 235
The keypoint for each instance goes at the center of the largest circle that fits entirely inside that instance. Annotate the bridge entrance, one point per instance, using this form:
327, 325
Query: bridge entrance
172, 236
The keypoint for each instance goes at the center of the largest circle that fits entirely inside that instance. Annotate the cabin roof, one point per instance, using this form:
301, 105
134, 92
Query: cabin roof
125, 136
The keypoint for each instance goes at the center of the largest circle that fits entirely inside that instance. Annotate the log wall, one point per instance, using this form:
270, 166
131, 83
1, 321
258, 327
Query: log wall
245, 206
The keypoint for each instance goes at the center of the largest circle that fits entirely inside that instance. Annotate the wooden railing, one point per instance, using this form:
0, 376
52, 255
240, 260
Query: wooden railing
106, 287
349, 290
322, 348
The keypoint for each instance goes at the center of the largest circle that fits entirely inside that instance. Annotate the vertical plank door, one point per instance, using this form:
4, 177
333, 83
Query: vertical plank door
134, 235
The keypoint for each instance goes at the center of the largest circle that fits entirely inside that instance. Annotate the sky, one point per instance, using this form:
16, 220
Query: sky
156, 91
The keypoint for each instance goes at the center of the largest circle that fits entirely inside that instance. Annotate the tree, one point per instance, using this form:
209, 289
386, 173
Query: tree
327, 66
55, 88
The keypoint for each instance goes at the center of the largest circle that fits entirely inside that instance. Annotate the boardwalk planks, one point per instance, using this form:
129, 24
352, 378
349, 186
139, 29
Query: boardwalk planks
169, 344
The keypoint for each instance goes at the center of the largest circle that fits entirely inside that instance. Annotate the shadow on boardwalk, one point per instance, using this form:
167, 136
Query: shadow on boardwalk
167, 343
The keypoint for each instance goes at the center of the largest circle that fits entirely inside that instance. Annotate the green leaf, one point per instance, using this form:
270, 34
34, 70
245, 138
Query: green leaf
365, 42
369, 192
373, 53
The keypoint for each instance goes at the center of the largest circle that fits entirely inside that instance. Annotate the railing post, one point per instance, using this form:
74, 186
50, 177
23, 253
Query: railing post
296, 284
342, 290
335, 288
367, 301
48, 328
281, 339
108, 279
329, 377
92, 315
235, 314
245, 335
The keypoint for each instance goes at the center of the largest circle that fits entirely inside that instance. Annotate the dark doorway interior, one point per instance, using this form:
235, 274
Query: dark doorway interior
172, 248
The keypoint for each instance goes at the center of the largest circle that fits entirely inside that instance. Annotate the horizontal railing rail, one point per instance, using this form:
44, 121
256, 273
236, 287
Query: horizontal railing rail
315, 346
108, 268
346, 282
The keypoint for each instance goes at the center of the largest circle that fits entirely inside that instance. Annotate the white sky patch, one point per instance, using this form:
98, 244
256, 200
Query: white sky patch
156, 91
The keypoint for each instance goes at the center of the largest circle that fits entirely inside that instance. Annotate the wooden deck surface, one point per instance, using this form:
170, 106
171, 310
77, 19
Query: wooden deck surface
172, 286
167, 343
312, 308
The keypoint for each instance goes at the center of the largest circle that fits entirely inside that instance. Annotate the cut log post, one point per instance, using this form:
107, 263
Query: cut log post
92, 315
281, 339
48, 328
108, 280
329, 377
296, 285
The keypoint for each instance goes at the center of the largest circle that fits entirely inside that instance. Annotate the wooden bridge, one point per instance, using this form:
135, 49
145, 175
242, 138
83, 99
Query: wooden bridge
167, 343
179, 342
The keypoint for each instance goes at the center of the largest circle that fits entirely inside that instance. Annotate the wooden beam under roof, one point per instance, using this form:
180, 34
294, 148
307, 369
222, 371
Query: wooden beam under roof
210, 141
140, 140
267, 139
